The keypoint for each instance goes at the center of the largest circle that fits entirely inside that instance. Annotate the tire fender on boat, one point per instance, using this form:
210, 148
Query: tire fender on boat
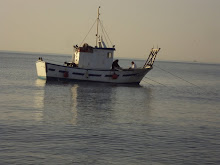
114, 76
65, 74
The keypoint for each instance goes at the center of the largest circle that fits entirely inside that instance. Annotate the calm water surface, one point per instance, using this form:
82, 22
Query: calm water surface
173, 122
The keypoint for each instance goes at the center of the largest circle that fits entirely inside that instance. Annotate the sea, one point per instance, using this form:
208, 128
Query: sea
171, 118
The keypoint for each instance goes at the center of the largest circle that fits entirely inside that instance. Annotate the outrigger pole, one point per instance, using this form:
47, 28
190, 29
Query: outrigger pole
97, 33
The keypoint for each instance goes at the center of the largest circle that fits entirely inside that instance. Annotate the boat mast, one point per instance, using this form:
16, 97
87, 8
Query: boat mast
97, 33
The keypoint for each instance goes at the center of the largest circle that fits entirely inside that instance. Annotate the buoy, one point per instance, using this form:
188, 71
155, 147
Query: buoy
65, 74
114, 76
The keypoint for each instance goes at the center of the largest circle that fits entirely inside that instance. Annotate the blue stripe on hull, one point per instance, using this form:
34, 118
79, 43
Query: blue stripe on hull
77, 80
42, 77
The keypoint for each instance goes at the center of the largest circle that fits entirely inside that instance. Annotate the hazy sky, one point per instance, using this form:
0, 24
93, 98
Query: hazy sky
186, 30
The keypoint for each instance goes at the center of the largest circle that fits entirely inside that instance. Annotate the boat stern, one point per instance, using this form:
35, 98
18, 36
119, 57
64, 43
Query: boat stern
41, 69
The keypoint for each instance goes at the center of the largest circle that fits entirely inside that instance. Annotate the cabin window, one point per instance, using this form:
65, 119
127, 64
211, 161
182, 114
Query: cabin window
109, 55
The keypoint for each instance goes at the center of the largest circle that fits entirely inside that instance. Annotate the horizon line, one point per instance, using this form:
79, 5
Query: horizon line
125, 58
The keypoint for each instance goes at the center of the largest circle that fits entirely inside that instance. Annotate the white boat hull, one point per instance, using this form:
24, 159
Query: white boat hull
126, 76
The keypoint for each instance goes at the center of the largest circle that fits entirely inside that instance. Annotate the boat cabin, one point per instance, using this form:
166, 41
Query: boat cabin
89, 57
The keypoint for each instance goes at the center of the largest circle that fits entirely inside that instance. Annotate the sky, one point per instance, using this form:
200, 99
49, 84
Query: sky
185, 30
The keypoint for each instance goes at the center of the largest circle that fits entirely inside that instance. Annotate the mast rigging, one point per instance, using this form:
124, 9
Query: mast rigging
97, 32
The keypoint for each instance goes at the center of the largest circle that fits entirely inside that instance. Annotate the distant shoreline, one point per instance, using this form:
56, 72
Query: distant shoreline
34, 53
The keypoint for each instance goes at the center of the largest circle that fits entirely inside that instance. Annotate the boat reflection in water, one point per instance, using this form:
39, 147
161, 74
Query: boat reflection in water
39, 99
93, 103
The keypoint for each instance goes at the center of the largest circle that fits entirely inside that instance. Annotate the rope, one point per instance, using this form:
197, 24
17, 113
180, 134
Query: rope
202, 89
177, 76
105, 32
147, 82
156, 82
88, 33
104, 35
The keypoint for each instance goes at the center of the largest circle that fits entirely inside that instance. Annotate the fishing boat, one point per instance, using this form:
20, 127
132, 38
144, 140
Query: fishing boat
95, 64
